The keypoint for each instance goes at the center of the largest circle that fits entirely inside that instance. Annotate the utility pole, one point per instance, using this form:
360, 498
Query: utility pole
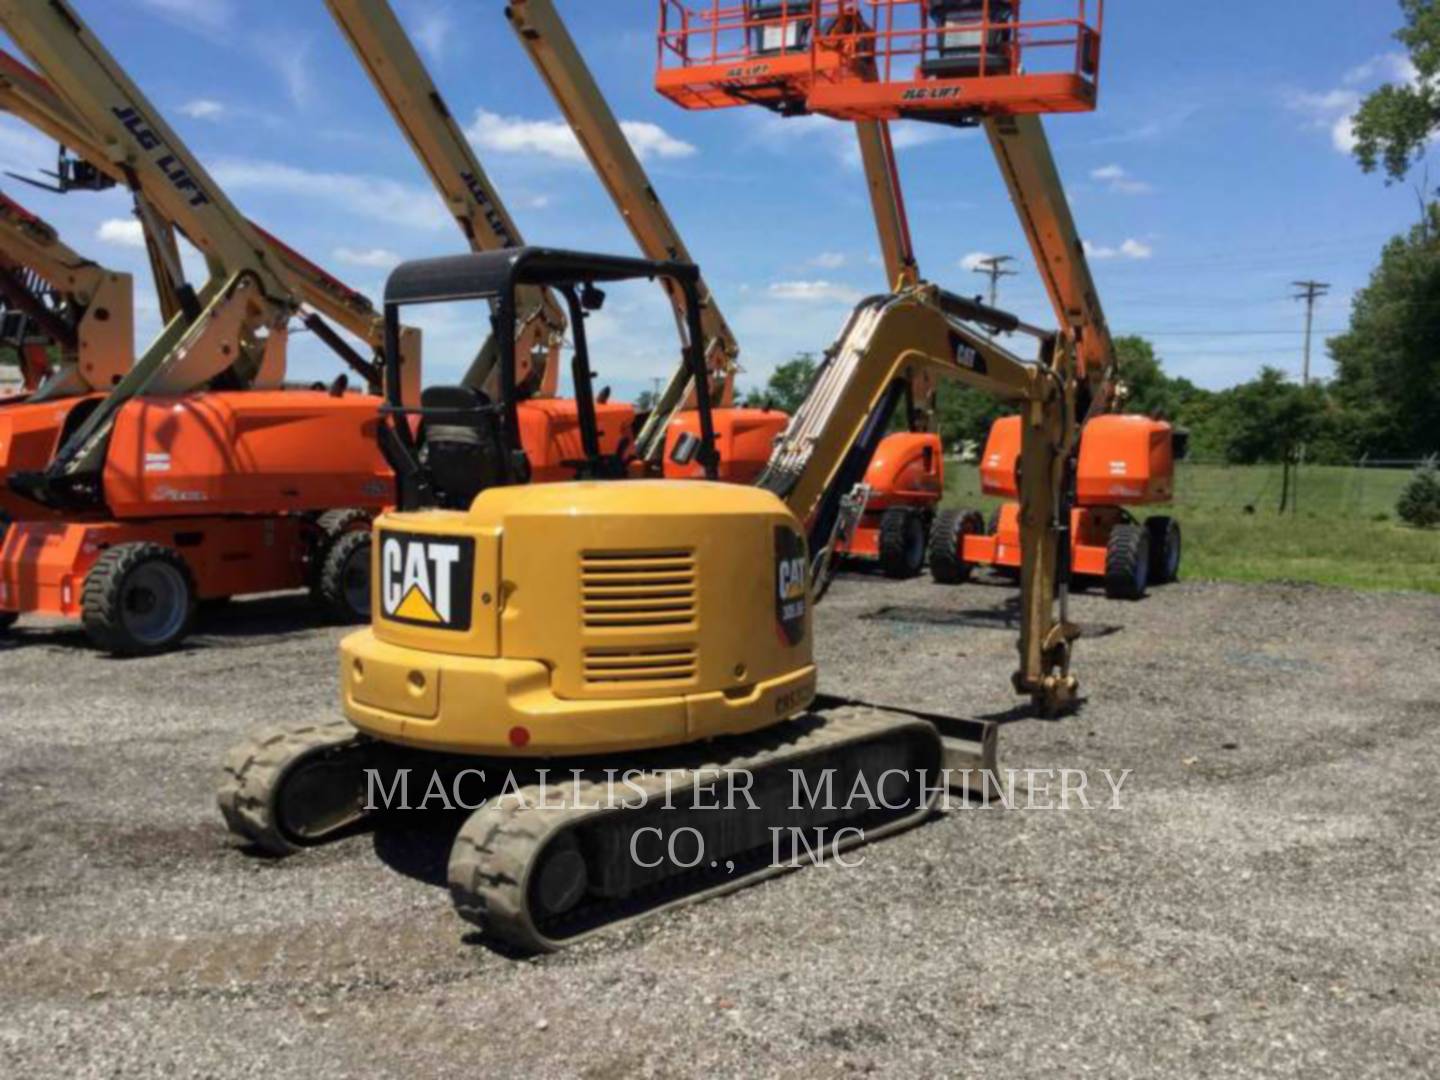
993, 267
1310, 292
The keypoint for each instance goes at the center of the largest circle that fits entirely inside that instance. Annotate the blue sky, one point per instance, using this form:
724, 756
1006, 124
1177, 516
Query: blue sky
1212, 176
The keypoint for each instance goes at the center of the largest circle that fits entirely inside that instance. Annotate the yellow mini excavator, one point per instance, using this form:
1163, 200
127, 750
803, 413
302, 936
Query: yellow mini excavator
655, 636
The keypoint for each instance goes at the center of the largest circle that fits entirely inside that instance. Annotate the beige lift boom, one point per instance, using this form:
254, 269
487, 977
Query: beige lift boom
27, 95
395, 67
91, 326
550, 46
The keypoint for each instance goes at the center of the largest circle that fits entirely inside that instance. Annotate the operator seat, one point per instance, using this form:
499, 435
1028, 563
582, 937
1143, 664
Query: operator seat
461, 444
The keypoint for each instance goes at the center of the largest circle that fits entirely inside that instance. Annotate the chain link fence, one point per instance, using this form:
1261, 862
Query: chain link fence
1367, 489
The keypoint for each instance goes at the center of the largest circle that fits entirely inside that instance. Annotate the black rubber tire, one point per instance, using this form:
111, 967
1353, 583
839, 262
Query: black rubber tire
1165, 549
902, 543
115, 588
947, 565
330, 527
344, 578
7, 618
1127, 562
335, 523
993, 525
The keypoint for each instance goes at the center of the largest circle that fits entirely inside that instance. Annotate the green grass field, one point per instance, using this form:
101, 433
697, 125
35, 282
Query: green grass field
1344, 533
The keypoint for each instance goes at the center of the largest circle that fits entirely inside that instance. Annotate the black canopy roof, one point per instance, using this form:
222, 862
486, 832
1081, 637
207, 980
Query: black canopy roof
491, 273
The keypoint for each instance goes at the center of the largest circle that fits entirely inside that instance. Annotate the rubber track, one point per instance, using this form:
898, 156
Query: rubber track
493, 850
254, 769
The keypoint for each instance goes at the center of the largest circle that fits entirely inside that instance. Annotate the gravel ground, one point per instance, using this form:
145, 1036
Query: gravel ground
1265, 901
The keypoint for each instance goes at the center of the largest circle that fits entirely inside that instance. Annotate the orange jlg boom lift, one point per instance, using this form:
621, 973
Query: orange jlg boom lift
199, 474
965, 62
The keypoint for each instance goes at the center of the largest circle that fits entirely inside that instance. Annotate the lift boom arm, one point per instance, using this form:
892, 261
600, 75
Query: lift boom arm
882, 178
549, 45
402, 81
29, 96
93, 331
1025, 159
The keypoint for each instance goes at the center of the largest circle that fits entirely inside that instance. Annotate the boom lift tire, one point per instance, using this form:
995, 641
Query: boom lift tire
7, 618
1127, 562
902, 543
1165, 546
138, 600
331, 527
947, 542
342, 587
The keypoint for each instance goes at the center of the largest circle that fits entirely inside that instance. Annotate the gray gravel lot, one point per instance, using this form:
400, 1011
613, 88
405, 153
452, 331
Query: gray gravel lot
1267, 900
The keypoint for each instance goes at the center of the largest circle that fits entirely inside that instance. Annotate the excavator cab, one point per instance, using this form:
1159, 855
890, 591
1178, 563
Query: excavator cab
460, 441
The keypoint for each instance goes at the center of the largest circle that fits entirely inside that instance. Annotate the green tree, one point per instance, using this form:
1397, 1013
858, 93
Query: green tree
788, 384
1394, 124
1151, 391
1268, 419
1388, 363
964, 415
1420, 502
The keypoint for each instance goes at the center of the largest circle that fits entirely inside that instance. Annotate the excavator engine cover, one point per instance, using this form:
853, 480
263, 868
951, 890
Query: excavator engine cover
549, 620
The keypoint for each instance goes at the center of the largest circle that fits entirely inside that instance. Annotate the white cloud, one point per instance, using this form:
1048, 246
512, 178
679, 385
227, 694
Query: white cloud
122, 232
292, 62
493, 133
1333, 111
815, 292
1391, 67
209, 15
375, 258
202, 109
829, 260
1129, 249
372, 197
537, 202
976, 260
22, 148
432, 30
1118, 180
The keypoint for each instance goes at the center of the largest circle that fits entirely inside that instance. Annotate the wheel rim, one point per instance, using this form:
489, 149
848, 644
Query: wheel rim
355, 581
1142, 572
154, 603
